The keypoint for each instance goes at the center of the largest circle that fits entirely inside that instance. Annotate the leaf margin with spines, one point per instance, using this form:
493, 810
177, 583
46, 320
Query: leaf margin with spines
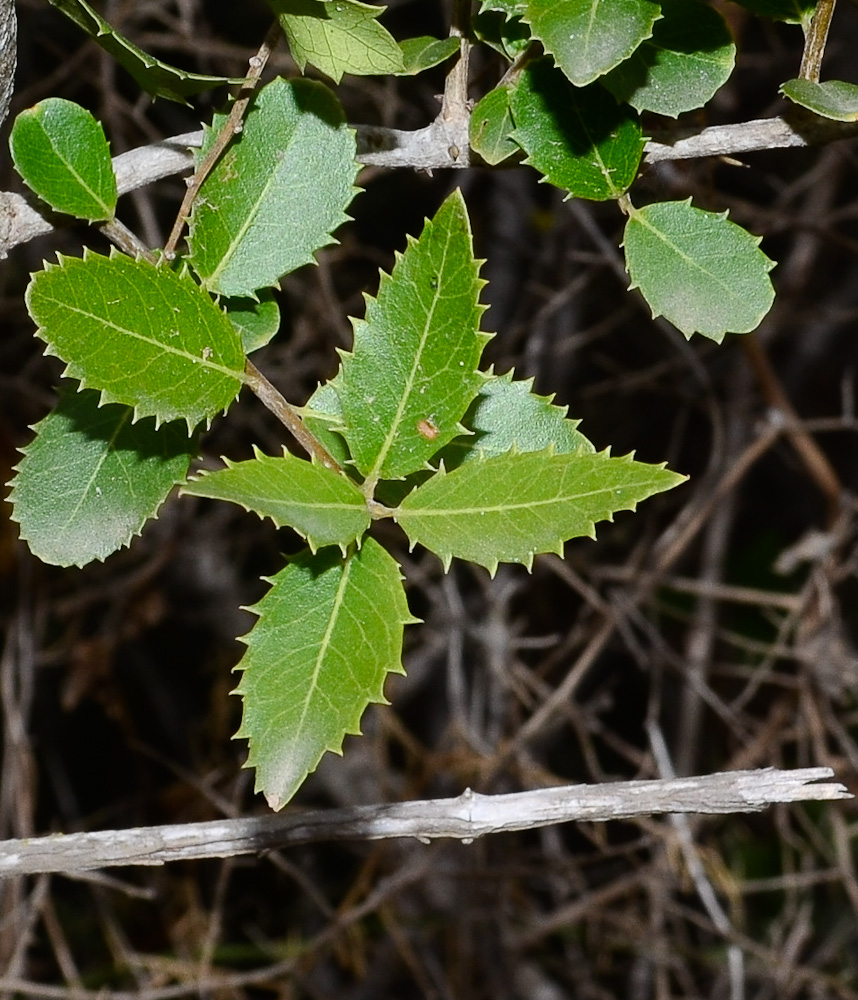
508, 469
143, 405
410, 446
106, 535
307, 476
277, 779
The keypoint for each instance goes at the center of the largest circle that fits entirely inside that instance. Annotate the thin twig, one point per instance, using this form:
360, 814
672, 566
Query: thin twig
814, 44
288, 416
127, 241
705, 890
814, 459
231, 127
464, 818
22, 219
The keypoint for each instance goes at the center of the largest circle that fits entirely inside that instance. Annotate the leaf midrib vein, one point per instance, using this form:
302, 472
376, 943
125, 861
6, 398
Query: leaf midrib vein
166, 348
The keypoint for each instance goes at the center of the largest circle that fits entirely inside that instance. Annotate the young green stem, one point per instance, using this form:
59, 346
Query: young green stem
814, 44
231, 127
288, 416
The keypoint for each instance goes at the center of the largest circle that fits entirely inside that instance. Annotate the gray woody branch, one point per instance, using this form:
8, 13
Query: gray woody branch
464, 818
440, 144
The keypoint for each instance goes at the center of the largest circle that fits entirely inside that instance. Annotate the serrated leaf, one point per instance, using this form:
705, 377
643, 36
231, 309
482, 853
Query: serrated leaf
689, 57
511, 507
256, 320
323, 506
145, 336
507, 415
425, 52
329, 632
91, 478
412, 372
492, 126
277, 193
60, 151
157, 78
579, 138
338, 37
794, 11
831, 99
590, 37
323, 417
697, 269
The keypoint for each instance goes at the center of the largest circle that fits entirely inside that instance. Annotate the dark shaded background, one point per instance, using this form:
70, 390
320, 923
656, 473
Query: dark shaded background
722, 615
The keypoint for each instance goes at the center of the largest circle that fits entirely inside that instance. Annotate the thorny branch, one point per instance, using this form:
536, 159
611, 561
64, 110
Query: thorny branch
432, 148
465, 818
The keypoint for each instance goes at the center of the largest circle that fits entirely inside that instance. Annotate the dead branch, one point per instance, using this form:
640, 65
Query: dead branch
437, 146
464, 818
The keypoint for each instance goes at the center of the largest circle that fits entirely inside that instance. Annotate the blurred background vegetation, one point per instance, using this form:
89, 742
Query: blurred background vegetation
721, 617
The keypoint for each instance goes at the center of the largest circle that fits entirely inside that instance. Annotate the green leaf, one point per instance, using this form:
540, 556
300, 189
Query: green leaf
831, 99
323, 506
329, 633
590, 37
507, 415
146, 336
61, 152
492, 125
91, 478
425, 52
322, 416
508, 35
276, 195
580, 139
794, 11
511, 507
512, 8
689, 57
157, 78
413, 373
697, 269
256, 320
338, 37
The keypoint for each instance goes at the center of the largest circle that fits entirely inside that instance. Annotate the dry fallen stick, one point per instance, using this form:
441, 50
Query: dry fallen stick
464, 818
436, 146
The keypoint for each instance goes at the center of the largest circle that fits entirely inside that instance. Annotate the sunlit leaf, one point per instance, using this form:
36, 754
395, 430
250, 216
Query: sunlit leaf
687, 60
278, 192
590, 37
511, 507
338, 37
91, 478
697, 269
323, 506
413, 370
508, 415
329, 632
61, 152
419, 54
492, 126
146, 336
831, 99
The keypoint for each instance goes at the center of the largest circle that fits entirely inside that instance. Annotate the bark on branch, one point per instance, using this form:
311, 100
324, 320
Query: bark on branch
438, 145
465, 818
